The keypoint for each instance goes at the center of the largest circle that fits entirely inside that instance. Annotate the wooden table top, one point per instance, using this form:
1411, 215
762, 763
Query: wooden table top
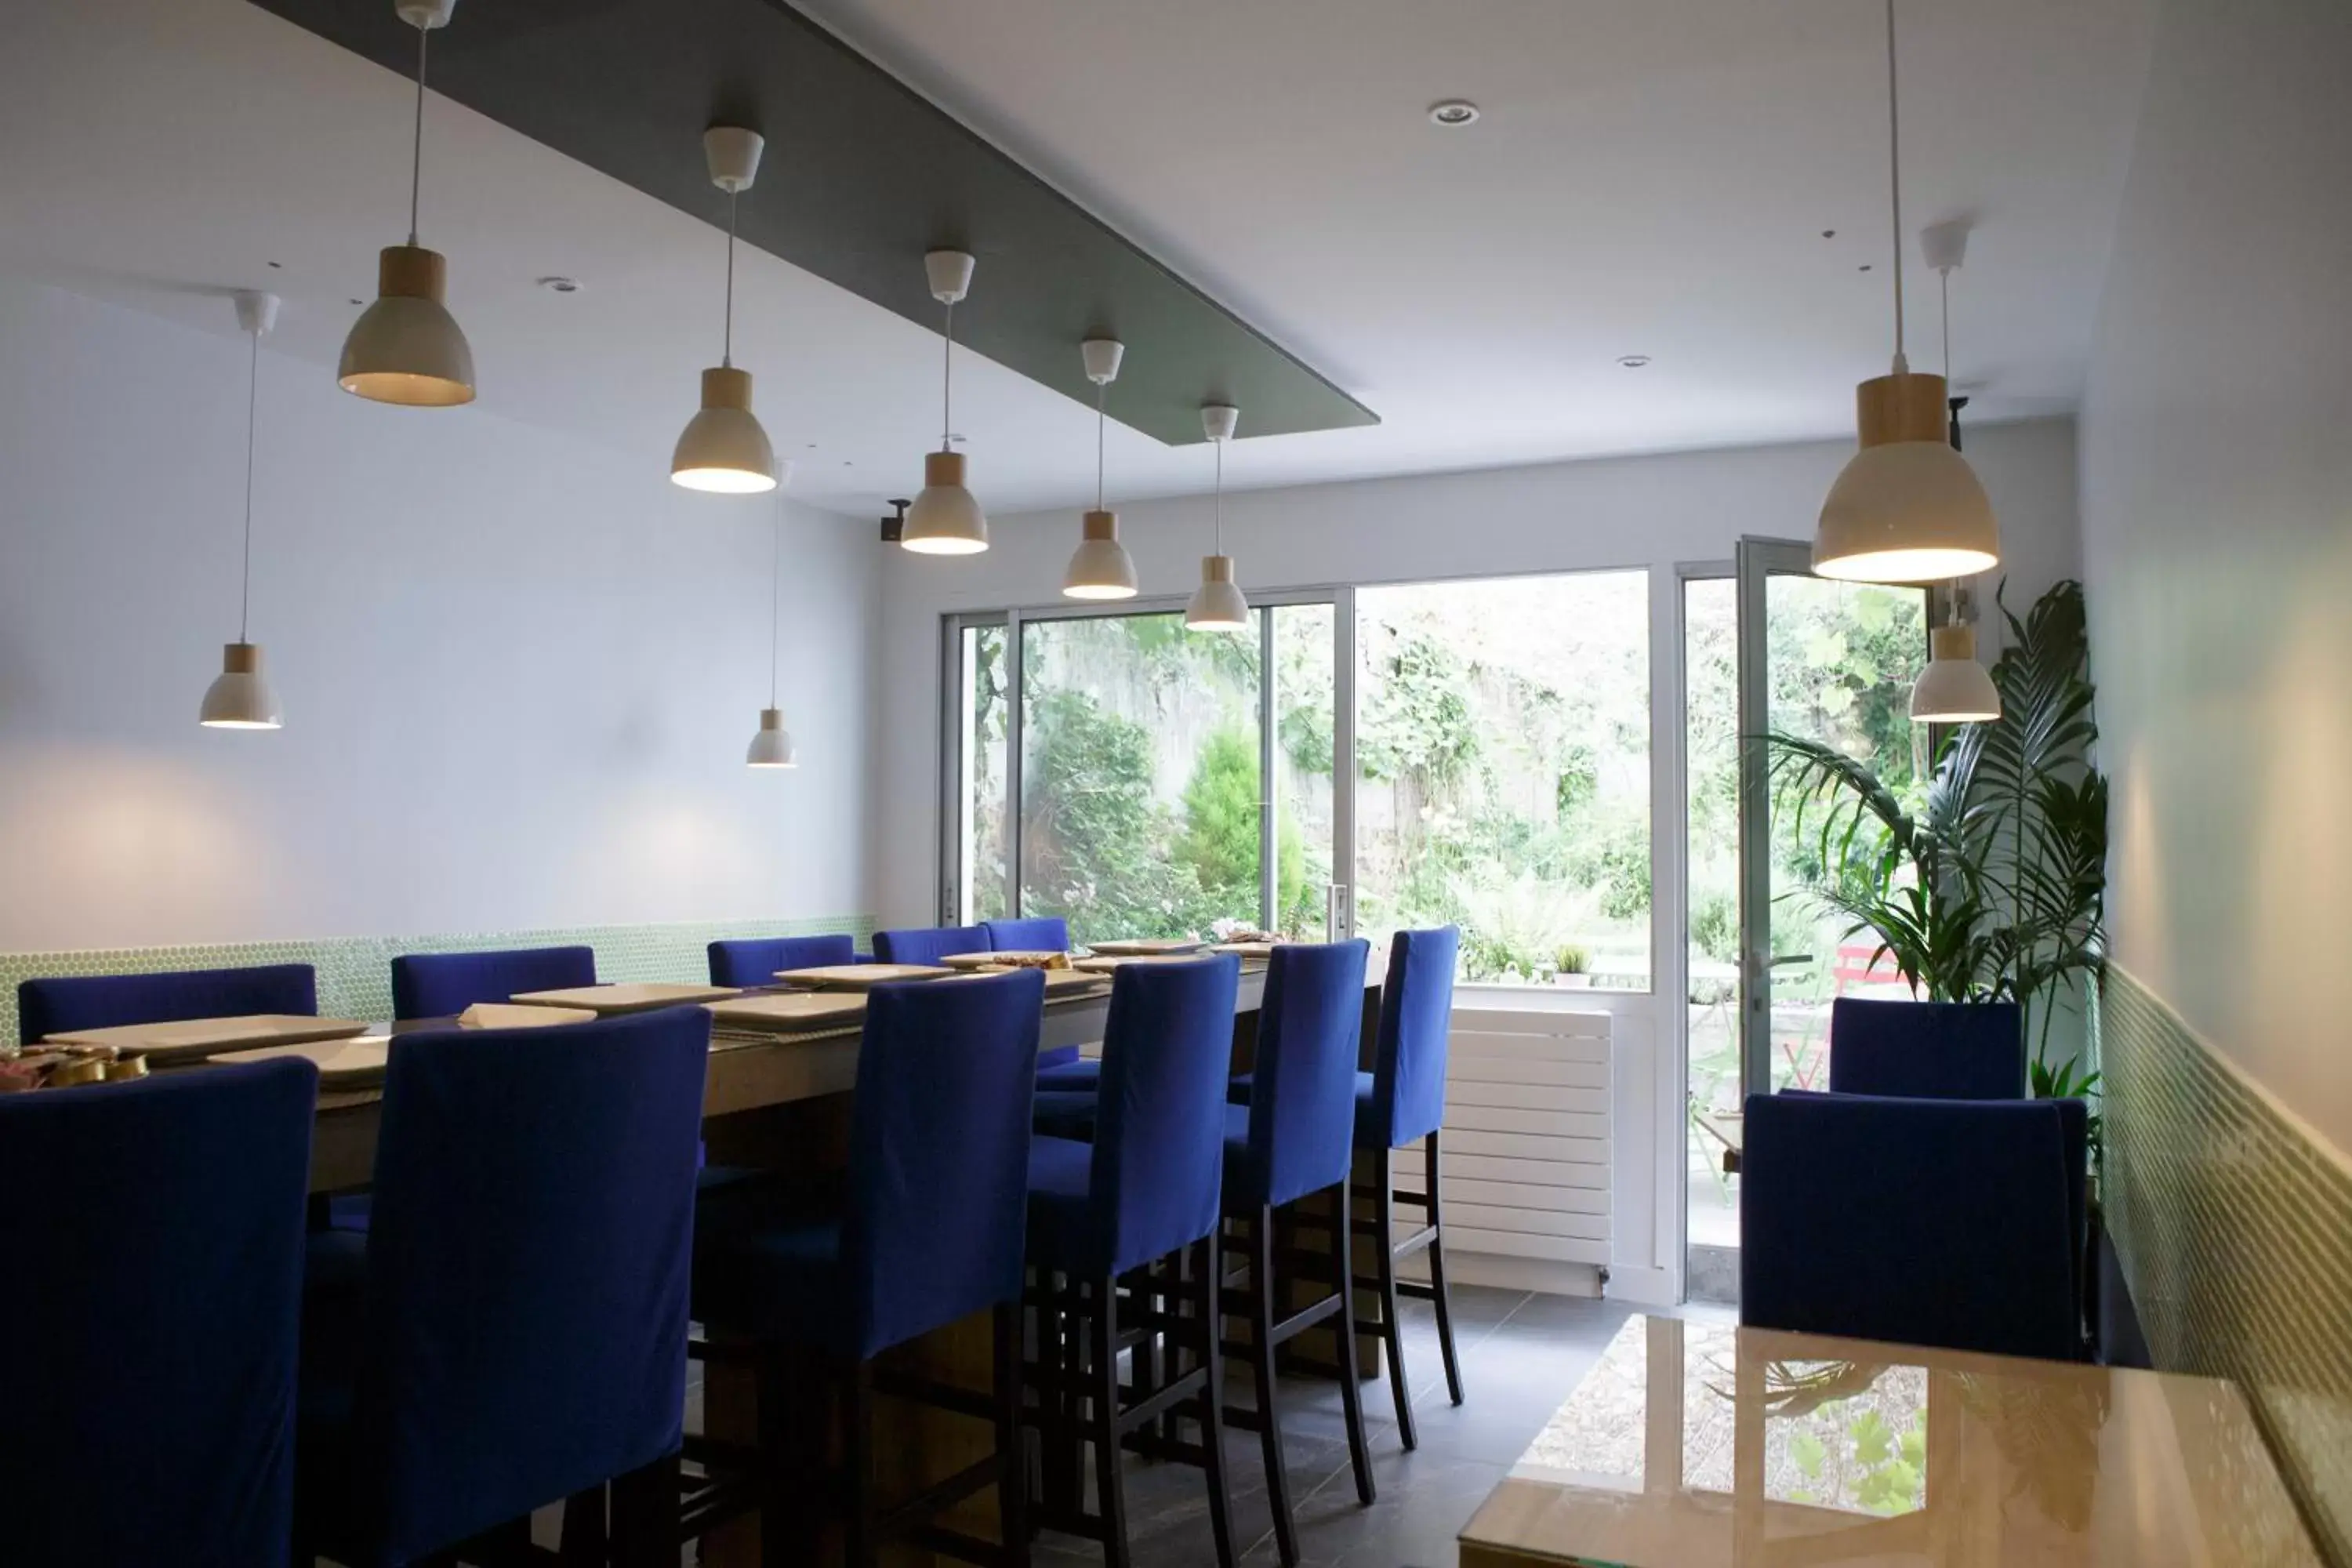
1696, 1445
788, 1046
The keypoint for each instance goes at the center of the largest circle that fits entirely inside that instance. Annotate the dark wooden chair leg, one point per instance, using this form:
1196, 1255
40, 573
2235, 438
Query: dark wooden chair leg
1012, 1444
1070, 1460
861, 1534
1111, 1491
791, 1449
1205, 1275
1351, 1393
646, 1533
1262, 1351
1437, 1270
585, 1540
1391, 1320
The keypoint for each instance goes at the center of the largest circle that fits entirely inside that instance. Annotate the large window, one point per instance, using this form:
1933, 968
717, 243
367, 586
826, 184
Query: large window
1483, 760
1502, 773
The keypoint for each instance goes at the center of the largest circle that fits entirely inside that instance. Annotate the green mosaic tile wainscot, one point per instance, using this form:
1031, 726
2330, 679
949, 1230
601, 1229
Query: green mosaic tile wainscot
2234, 1227
355, 973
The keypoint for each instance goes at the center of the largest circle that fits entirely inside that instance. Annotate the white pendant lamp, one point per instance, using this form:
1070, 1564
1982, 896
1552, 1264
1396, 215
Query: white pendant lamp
771, 744
1953, 689
723, 450
406, 348
241, 697
1100, 568
1217, 603
1908, 508
945, 519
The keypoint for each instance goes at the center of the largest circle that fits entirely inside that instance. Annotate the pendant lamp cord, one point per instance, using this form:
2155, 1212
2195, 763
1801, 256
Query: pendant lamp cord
947, 379
1102, 390
775, 598
252, 399
1894, 183
1944, 294
416, 145
726, 351
1217, 507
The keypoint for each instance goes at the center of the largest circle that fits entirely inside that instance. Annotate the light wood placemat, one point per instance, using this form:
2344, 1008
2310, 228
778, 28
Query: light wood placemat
1106, 963
859, 976
520, 1015
194, 1037
356, 1063
603, 1000
1146, 947
789, 1012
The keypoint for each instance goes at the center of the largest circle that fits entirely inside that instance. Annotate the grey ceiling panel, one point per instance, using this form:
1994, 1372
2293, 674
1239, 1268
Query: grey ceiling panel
861, 176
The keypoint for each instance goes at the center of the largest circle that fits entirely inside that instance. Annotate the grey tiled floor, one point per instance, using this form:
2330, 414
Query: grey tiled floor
1521, 1355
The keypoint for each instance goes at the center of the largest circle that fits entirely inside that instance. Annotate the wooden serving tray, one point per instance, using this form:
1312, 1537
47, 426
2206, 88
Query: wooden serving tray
1106, 963
356, 1063
790, 1012
520, 1015
606, 1000
1146, 947
1009, 960
197, 1037
859, 976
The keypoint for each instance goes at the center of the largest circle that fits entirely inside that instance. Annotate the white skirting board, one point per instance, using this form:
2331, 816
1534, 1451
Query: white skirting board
1525, 1147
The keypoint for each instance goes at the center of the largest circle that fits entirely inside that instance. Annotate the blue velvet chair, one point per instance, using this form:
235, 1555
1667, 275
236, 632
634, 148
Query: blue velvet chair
1039, 933
930, 944
1927, 1050
1295, 1139
443, 984
512, 1331
1401, 1101
152, 1238
46, 1007
927, 1230
1143, 1193
1926, 1222
755, 962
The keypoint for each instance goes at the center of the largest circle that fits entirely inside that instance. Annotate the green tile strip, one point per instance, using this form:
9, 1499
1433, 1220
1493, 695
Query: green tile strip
355, 973
2234, 1225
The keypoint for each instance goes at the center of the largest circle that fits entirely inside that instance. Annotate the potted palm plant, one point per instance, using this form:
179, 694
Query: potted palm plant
1994, 888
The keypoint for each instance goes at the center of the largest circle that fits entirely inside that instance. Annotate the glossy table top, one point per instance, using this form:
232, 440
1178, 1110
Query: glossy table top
1691, 1444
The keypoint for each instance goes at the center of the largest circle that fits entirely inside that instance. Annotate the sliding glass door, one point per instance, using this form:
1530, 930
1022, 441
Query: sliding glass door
1168, 781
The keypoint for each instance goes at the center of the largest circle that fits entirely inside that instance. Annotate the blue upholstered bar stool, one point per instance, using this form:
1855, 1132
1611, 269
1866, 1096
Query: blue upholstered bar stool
926, 1231
756, 960
1061, 1068
930, 944
1401, 1101
152, 1239
1295, 1139
1038, 933
1143, 1194
511, 1332
1927, 1050
46, 1007
1926, 1222
443, 984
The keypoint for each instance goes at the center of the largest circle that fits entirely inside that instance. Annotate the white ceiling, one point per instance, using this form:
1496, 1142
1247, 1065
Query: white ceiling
1650, 176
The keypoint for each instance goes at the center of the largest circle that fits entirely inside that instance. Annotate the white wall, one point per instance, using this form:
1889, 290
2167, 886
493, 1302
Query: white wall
518, 672
2217, 502
1639, 512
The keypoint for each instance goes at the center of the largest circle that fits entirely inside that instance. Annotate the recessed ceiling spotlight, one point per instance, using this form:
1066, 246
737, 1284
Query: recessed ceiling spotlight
560, 285
1453, 112
1632, 362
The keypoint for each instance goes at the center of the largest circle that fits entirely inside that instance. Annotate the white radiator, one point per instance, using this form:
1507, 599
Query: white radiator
1526, 1140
